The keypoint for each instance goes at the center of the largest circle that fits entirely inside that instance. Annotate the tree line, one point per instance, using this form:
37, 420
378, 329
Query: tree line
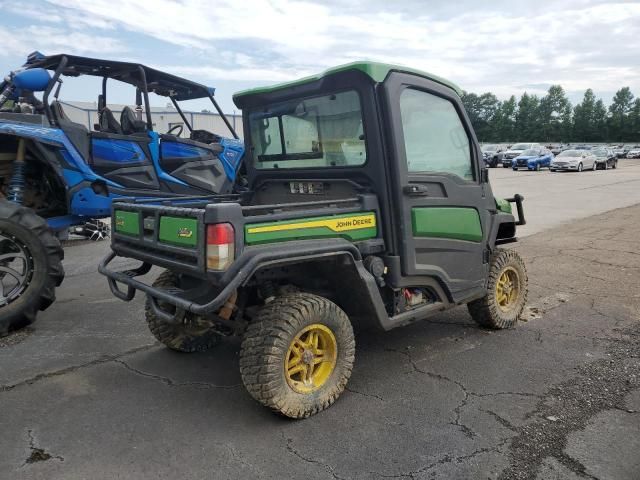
552, 118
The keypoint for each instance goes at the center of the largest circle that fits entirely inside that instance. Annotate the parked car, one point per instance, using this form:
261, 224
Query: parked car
605, 158
620, 152
492, 154
582, 147
516, 150
533, 159
634, 152
576, 160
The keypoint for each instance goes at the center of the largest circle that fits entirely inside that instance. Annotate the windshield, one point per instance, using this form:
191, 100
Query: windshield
571, 153
530, 153
600, 152
319, 132
521, 146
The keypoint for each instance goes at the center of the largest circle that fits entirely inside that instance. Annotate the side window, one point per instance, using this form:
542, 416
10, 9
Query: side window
434, 137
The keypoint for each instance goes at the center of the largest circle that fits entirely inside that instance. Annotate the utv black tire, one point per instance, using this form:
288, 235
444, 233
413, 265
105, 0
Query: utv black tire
268, 342
487, 311
20, 227
186, 337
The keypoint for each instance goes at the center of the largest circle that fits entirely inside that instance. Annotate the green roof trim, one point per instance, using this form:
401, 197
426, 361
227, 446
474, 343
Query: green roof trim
375, 70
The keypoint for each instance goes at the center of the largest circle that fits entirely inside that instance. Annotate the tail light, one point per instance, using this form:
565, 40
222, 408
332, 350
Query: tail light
220, 246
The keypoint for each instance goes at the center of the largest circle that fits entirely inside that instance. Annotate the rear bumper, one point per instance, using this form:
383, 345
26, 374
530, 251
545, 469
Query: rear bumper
251, 260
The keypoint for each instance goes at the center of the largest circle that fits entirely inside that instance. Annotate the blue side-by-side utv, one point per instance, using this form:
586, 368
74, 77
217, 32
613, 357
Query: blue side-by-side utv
56, 173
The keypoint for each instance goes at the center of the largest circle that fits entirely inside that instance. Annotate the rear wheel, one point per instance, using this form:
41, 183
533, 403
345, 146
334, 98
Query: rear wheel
192, 335
615, 164
30, 266
506, 292
297, 356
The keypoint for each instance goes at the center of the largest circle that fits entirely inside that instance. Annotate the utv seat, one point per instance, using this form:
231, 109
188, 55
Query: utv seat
130, 124
77, 133
107, 122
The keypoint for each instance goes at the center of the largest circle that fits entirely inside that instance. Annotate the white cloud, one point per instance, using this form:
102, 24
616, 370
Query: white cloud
48, 38
577, 43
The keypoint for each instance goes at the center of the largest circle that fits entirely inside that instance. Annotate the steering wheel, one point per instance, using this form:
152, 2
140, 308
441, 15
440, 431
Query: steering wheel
176, 127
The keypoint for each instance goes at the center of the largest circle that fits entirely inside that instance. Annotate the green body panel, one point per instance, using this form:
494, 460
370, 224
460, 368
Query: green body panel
375, 70
503, 205
313, 228
127, 222
178, 231
457, 223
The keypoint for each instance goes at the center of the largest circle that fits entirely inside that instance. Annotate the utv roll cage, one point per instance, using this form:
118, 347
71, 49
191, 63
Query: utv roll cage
144, 78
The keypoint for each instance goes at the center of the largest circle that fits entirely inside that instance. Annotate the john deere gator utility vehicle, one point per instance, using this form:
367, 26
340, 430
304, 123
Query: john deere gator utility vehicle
367, 205
55, 173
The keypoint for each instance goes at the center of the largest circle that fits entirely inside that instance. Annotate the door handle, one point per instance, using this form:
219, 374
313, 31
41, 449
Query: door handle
415, 190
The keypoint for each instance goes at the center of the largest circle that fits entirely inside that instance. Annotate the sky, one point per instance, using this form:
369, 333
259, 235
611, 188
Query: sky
506, 47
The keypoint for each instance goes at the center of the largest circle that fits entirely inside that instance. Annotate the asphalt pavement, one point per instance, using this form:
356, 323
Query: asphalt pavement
86, 393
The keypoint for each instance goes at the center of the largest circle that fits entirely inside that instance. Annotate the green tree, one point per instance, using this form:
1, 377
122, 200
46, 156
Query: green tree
600, 122
555, 115
527, 118
481, 110
619, 125
634, 121
584, 128
503, 122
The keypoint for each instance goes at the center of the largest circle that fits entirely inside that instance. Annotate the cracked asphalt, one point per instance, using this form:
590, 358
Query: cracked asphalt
86, 393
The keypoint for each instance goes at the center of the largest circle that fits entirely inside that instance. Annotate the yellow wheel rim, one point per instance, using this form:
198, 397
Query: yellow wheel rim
507, 289
311, 358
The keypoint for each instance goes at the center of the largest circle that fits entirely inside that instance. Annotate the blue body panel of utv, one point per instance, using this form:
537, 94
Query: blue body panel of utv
120, 153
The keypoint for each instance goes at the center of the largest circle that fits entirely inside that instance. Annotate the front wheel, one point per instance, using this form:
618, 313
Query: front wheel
595, 166
580, 167
506, 295
30, 266
537, 167
297, 355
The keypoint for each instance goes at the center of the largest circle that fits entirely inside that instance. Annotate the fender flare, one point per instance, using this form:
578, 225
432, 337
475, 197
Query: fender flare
501, 218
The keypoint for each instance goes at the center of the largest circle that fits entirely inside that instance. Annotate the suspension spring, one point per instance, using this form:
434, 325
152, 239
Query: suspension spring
17, 183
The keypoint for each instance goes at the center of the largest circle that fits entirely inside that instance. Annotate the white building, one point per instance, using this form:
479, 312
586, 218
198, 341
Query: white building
163, 118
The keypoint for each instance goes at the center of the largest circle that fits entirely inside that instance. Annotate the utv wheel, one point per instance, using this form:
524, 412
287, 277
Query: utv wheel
30, 266
297, 356
506, 292
189, 336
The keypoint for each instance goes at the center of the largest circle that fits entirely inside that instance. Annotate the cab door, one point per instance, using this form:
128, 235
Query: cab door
441, 206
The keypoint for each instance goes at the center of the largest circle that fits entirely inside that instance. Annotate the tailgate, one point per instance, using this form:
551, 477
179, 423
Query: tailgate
168, 236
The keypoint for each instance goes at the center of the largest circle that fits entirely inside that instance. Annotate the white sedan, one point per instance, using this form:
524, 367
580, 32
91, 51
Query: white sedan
576, 160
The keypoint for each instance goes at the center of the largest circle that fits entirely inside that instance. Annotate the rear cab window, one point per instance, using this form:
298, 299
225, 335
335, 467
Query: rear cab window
317, 132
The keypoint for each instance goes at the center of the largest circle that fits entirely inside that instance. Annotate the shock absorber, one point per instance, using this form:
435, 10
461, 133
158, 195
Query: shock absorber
17, 183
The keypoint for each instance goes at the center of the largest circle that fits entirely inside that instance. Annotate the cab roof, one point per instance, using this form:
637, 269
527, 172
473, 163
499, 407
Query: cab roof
375, 70
158, 82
